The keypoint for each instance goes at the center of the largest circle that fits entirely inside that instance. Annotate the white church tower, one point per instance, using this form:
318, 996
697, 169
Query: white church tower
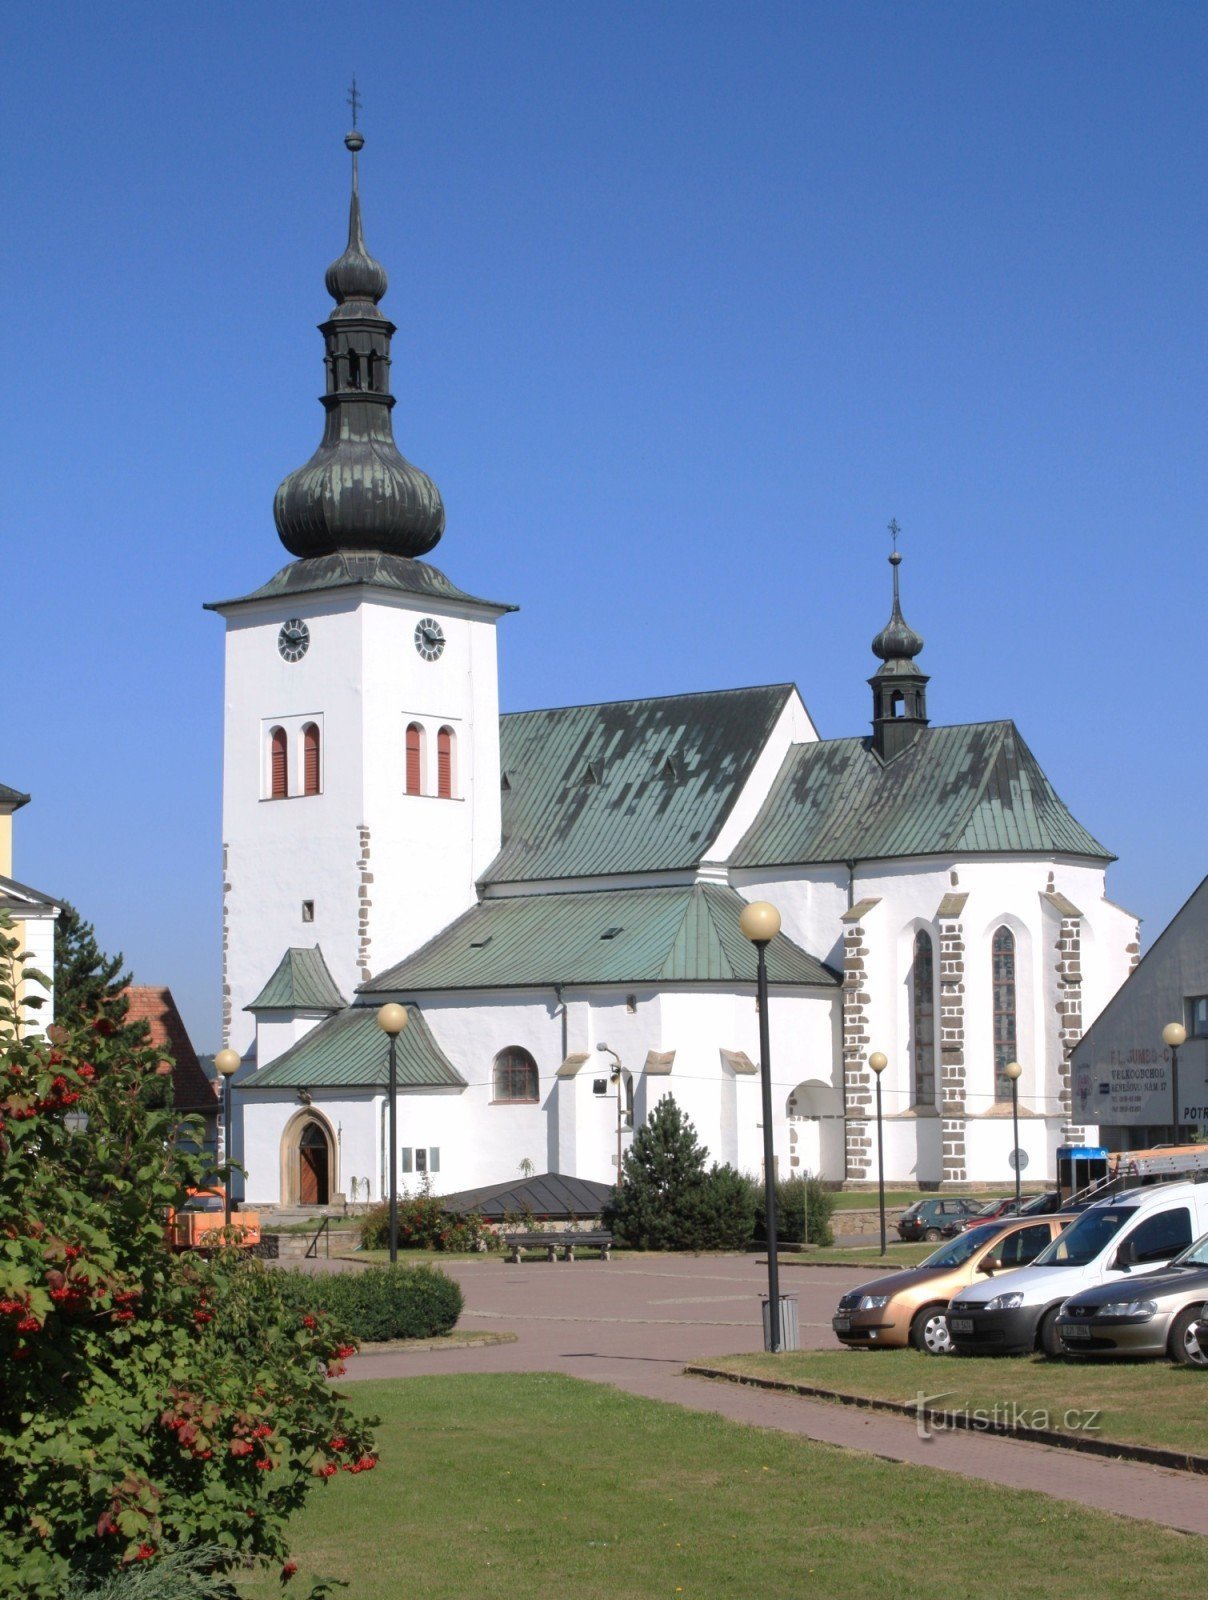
361, 782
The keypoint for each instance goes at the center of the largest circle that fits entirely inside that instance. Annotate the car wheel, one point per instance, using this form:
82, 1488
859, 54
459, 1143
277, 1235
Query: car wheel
929, 1332
1047, 1338
1180, 1346
931, 1234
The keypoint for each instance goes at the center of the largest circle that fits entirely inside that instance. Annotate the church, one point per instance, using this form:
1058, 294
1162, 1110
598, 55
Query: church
554, 895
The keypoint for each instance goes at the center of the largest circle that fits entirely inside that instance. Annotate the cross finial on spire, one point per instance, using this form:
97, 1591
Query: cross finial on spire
894, 530
354, 100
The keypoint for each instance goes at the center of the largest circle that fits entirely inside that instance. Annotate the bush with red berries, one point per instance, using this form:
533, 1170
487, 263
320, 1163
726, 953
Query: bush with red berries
149, 1402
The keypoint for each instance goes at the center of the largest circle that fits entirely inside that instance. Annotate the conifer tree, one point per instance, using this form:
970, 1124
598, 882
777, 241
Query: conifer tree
88, 983
669, 1200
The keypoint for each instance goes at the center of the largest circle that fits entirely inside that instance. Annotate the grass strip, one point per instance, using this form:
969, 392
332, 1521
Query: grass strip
493, 1486
1146, 1403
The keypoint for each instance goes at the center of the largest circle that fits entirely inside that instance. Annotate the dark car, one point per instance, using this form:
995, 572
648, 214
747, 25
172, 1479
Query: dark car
1041, 1205
925, 1218
992, 1211
1151, 1315
1199, 1332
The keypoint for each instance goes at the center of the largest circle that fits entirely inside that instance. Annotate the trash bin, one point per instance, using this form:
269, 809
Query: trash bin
790, 1328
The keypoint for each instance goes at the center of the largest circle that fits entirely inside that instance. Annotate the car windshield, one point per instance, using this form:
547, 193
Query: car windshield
1042, 1203
1083, 1240
962, 1247
1195, 1255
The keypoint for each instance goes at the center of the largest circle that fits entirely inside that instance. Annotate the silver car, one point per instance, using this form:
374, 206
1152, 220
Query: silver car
1149, 1314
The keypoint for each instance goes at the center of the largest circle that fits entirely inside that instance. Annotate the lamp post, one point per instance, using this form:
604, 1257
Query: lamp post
616, 1077
878, 1062
760, 923
392, 1019
227, 1064
1012, 1070
1174, 1034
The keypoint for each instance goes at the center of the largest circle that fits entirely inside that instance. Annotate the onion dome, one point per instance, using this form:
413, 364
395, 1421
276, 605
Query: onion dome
358, 492
897, 640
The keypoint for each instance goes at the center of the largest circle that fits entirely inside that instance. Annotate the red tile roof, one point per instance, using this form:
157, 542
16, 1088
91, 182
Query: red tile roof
192, 1090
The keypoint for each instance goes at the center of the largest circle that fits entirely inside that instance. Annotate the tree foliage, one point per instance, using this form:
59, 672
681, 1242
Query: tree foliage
148, 1402
669, 1200
88, 983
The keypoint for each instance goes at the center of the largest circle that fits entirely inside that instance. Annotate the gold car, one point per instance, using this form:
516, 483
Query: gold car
908, 1307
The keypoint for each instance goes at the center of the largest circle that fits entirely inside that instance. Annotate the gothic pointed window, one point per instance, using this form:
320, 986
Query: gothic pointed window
278, 764
415, 759
1005, 1036
922, 1019
444, 763
310, 759
514, 1078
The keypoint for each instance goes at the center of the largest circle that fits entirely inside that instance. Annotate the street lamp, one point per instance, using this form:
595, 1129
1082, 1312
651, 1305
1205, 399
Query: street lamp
615, 1076
1013, 1070
760, 923
1174, 1034
878, 1062
392, 1019
227, 1064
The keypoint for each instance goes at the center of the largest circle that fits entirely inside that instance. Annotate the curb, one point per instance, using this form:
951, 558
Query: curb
887, 1263
1142, 1454
455, 1341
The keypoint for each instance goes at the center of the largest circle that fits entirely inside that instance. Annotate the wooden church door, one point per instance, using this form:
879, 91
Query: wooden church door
313, 1184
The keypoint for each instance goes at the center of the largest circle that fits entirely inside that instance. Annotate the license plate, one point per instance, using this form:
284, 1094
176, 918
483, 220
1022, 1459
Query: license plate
960, 1324
841, 1324
1071, 1330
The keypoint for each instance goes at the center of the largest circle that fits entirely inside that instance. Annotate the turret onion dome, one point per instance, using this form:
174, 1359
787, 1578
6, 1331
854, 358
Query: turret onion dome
897, 640
357, 492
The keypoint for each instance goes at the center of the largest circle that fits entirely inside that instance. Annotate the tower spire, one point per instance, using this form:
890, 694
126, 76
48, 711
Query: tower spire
899, 689
357, 492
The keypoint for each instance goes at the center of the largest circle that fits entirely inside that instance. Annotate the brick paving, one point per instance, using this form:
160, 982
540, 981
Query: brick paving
635, 1322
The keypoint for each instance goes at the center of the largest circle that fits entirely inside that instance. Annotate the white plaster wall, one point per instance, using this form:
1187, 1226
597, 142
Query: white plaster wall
40, 947
810, 902
277, 1031
362, 680
262, 1118
793, 726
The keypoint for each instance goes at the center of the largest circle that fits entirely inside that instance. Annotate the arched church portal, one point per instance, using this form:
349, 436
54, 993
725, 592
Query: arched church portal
308, 1162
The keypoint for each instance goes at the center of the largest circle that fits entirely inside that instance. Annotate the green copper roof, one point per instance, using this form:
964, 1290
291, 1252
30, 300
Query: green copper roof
681, 935
631, 786
962, 790
300, 983
350, 1051
346, 569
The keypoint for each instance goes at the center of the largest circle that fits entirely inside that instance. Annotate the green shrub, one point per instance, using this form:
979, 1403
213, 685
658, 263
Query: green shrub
793, 1196
380, 1302
187, 1573
668, 1200
424, 1225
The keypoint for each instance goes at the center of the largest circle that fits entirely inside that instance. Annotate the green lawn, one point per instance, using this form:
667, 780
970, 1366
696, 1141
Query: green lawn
865, 1199
549, 1488
1140, 1402
900, 1255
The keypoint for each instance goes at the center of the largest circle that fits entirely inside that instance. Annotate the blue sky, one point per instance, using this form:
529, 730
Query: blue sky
692, 299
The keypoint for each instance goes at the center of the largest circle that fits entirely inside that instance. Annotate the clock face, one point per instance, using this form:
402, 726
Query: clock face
429, 638
293, 639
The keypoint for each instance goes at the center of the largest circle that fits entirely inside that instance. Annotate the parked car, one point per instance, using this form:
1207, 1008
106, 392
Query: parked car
1151, 1315
925, 1218
1041, 1204
908, 1307
992, 1210
1199, 1332
1141, 1227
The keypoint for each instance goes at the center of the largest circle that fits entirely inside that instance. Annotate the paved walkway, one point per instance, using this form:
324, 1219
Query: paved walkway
635, 1322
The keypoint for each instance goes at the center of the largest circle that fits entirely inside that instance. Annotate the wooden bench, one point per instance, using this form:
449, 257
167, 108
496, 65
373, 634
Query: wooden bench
551, 1243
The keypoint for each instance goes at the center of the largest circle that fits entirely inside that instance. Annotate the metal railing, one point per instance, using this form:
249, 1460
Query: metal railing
321, 1232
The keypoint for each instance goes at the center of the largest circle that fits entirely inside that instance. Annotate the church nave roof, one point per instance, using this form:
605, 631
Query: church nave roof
971, 789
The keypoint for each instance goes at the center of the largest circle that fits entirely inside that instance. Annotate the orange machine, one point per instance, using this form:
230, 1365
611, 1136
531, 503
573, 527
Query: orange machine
204, 1214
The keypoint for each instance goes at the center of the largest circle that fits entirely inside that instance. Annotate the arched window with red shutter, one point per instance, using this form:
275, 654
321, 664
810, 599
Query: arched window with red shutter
310, 759
445, 775
415, 759
278, 764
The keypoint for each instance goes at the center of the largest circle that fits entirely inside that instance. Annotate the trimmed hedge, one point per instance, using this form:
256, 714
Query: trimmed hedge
792, 1197
381, 1302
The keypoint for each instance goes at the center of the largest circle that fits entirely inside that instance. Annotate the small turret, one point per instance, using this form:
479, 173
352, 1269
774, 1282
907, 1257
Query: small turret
899, 689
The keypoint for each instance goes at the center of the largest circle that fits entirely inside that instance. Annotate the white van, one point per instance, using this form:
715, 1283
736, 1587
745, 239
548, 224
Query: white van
1139, 1228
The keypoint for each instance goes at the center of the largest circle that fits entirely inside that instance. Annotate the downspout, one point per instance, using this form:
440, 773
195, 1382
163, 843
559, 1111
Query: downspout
562, 1007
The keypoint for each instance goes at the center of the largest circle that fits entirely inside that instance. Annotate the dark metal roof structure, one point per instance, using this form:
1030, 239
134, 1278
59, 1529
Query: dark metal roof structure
302, 982
349, 1051
970, 789
629, 786
12, 799
688, 934
553, 1196
348, 569
357, 492
17, 894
